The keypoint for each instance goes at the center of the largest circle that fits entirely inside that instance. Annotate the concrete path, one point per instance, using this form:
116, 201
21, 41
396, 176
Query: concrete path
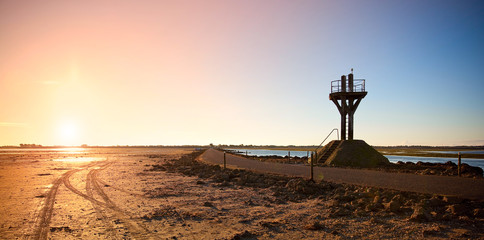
442, 185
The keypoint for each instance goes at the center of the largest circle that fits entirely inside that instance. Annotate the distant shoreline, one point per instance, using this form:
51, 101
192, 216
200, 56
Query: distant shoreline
418, 151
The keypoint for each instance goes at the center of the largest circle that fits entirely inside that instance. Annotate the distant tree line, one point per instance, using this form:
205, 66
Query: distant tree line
23, 145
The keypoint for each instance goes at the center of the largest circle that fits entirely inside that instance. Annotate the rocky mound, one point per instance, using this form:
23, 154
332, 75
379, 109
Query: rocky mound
356, 153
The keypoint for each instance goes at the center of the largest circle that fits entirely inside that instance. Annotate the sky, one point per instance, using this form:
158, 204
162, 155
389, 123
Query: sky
239, 72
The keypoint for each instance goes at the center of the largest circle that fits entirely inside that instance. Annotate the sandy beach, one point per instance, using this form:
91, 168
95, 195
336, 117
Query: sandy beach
149, 193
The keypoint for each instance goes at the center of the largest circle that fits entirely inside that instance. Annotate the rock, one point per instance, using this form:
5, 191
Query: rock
250, 203
432, 231
375, 220
419, 214
398, 198
450, 163
272, 225
452, 199
225, 184
393, 206
314, 226
471, 171
360, 213
456, 209
301, 186
436, 215
240, 181
208, 204
333, 203
374, 206
245, 235
334, 232
339, 212
435, 201
359, 203
478, 213
462, 232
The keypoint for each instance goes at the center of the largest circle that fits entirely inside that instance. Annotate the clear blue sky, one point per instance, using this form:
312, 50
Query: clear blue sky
239, 72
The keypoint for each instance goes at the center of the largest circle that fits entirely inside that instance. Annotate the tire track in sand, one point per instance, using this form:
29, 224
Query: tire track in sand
102, 214
47, 208
46, 212
92, 186
140, 231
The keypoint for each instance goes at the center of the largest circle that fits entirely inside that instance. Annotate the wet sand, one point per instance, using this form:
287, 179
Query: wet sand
117, 194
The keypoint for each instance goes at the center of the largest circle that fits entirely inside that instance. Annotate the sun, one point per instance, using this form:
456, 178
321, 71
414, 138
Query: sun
69, 132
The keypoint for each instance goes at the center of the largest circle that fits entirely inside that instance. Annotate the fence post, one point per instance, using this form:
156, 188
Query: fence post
311, 174
225, 162
288, 154
458, 164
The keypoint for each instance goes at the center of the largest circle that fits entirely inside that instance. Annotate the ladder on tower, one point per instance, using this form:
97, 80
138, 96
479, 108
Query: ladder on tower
347, 126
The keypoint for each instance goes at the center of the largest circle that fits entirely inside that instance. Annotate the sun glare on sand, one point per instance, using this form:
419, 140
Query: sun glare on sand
78, 159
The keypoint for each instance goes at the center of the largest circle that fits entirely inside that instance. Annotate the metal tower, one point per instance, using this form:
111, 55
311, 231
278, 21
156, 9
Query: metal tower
346, 95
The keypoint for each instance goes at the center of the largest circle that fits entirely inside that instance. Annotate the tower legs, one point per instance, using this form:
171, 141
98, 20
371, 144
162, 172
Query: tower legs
347, 108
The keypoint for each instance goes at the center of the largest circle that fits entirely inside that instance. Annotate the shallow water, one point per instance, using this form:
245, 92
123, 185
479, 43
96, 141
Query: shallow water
471, 161
265, 152
392, 158
456, 152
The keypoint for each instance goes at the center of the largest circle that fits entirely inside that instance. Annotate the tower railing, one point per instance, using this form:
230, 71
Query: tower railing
358, 86
337, 135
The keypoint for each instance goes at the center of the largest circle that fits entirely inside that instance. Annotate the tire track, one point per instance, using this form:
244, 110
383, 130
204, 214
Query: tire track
46, 212
45, 215
93, 187
68, 184
120, 189
111, 230
140, 229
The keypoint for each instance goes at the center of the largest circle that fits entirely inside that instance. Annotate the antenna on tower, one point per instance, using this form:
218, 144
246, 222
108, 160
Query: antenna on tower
351, 70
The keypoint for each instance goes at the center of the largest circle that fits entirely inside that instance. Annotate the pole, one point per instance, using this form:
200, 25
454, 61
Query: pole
458, 164
225, 161
311, 171
288, 154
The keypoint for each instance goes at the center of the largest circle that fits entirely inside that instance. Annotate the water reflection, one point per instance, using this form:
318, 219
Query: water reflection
78, 159
42, 150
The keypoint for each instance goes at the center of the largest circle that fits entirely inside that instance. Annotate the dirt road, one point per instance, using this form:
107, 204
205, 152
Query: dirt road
442, 185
